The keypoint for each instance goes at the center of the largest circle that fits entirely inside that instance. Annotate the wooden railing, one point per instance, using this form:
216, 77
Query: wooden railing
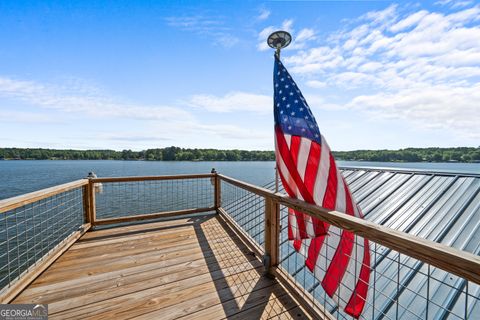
18, 274
460, 263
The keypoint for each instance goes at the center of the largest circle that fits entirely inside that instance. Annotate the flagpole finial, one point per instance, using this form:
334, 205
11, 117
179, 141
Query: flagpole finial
279, 40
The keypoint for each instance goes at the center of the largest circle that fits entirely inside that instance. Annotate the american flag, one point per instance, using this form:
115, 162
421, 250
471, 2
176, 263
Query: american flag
339, 259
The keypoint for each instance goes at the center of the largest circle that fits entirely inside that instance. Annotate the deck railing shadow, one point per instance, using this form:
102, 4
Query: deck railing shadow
238, 290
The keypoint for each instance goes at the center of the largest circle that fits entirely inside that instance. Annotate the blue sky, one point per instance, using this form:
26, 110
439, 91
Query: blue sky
150, 74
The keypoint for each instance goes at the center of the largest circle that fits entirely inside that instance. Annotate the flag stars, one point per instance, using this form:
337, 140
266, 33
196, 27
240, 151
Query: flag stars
296, 101
276, 85
289, 127
293, 113
280, 91
306, 117
286, 86
282, 79
288, 105
291, 93
301, 109
284, 98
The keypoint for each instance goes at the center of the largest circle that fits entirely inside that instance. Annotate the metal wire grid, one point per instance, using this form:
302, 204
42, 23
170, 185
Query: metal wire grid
153, 196
400, 287
245, 208
30, 232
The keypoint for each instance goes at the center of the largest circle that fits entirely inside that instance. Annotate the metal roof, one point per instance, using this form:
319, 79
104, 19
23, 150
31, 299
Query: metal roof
438, 206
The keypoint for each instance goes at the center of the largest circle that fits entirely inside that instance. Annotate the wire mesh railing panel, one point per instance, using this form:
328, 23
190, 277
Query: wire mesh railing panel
400, 287
247, 209
28, 233
131, 198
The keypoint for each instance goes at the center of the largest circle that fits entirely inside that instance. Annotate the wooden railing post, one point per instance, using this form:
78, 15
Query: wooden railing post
218, 191
92, 214
86, 203
272, 235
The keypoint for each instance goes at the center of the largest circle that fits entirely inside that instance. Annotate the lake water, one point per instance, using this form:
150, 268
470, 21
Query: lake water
19, 177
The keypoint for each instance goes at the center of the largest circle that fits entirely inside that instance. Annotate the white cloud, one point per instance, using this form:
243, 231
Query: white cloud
419, 66
455, 3
233, 101
264, 14
26, 117
79, 100
316, 84
436, 107
214, 27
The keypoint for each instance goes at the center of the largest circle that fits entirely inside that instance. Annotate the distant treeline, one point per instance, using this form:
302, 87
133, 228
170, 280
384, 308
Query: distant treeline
181, 154
165, 154
413, 155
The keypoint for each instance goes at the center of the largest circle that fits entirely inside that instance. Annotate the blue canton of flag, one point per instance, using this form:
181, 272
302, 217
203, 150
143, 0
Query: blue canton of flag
292, 112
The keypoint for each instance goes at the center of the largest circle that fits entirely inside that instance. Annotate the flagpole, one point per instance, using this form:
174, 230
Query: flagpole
278, 40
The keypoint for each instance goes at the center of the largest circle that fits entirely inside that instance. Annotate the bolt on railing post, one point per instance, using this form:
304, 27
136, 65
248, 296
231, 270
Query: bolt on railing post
272, 235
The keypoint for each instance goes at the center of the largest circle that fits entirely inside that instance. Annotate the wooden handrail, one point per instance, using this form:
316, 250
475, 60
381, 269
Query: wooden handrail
19, 201
145, 178
455, 261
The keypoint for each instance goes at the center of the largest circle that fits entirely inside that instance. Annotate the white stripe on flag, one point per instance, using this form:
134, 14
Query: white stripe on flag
340, 204
322, 174
351, 276
302, 160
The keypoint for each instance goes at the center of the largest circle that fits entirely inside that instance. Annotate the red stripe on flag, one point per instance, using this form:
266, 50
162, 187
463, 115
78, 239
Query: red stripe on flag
292, 169
359, 297
300, 222
295, 148
339, 263
314, 251
330, 197
311, 171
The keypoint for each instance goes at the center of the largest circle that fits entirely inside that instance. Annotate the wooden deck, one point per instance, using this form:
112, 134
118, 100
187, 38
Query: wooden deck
193, 268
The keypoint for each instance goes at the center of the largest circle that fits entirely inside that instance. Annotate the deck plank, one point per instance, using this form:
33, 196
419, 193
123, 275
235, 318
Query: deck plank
193, 268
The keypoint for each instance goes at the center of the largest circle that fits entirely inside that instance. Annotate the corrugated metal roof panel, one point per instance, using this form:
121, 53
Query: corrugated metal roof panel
442, 207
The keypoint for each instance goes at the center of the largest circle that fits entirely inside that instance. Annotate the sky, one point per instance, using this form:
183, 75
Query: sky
151, 74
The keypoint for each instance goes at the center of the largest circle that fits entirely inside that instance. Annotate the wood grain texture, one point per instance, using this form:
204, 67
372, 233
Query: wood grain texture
150, 216
218, 192
9, 293
272, 233
19, 201
191, 267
